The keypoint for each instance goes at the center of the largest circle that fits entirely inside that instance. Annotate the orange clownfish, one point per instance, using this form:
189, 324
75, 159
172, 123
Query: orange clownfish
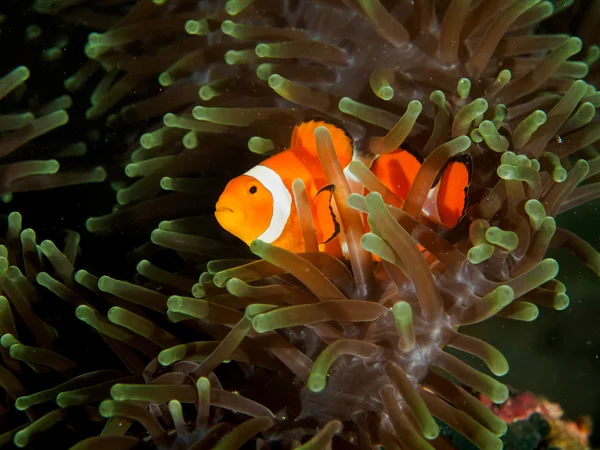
259, 204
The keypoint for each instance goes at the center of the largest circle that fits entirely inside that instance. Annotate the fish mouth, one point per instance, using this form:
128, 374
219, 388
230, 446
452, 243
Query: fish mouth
222, 209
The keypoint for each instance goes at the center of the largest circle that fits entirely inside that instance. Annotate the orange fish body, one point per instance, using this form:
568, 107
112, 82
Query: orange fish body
446, 201
259, 204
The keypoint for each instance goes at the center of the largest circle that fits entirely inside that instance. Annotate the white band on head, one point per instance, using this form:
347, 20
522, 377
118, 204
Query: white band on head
282, 201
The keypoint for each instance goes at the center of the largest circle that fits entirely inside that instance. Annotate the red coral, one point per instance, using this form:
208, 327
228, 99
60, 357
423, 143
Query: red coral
564, 434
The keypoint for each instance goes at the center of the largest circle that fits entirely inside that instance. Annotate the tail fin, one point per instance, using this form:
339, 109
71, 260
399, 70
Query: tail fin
453, 191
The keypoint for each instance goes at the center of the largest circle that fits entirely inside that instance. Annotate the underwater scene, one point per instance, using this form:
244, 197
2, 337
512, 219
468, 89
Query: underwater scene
300, 224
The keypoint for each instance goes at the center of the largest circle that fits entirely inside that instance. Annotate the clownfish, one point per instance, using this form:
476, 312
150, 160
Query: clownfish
259, 204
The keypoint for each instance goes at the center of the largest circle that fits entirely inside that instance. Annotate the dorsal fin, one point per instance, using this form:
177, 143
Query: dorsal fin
303, 139
324, 219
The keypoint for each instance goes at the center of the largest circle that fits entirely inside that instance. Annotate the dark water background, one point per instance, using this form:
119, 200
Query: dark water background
558, 354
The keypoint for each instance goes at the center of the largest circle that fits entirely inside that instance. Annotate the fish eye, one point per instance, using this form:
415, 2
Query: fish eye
253, 189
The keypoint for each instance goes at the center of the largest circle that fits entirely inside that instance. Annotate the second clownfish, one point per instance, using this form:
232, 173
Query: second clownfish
259, 204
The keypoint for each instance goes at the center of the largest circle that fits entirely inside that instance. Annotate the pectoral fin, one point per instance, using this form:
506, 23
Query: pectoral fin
324, 219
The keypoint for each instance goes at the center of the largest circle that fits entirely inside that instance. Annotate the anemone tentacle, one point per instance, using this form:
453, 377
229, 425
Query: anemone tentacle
360, 349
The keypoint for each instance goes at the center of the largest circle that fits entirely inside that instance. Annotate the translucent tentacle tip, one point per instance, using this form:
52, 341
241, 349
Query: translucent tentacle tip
261, 323
316, 381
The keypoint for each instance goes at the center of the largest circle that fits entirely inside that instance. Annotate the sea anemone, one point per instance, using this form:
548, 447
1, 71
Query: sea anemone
44, 349
584, 21
364, 351
17, 129
41, 147
371, 69
358, 353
